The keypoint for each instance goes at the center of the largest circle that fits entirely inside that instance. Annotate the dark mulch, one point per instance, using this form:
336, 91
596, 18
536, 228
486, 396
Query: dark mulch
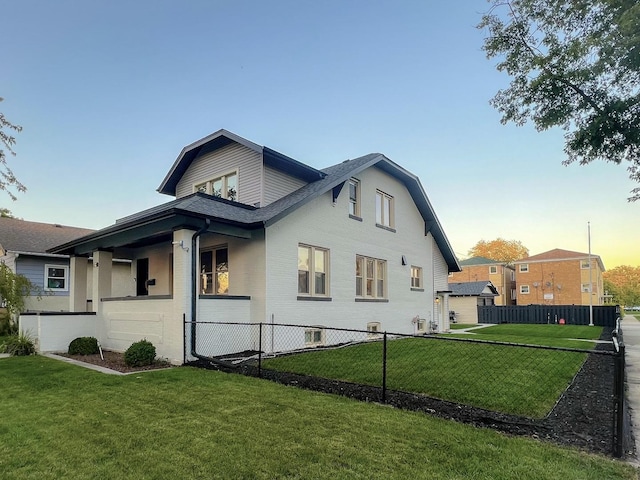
115, 361
582, 417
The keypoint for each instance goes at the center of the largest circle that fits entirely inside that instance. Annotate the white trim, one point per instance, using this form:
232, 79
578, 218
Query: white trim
523, 267
65, 278
312, 331
523, 287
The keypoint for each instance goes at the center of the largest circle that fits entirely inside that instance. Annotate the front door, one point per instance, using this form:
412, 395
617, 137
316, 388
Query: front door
142, 275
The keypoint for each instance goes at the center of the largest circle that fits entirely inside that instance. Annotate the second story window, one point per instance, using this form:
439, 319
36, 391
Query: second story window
354, 197
524, 267
384, 209
225, 186
493, 269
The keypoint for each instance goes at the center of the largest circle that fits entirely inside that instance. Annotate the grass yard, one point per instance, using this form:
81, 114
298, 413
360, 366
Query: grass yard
550, 335
460, 326
522, 381
64, 421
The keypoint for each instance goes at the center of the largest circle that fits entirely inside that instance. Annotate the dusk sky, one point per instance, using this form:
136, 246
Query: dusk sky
108, 93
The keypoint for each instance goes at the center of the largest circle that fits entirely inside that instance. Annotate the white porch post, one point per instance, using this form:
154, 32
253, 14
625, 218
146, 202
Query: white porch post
101, 288
78, 291
182, 296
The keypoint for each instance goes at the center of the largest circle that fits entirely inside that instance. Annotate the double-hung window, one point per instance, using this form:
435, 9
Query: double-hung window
354, 198
225, 186
524, 267
313, 271
371, 277
416, 277
214, 271
384, 209
56, 277
524, 289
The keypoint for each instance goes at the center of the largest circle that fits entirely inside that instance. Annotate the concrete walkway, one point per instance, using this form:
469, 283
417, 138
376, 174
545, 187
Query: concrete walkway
631, 336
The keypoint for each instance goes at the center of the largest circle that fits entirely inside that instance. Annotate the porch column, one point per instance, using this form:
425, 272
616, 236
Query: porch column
102, 262
182, 296
78, 290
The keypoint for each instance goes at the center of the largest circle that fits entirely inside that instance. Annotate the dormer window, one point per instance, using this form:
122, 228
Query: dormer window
225, 186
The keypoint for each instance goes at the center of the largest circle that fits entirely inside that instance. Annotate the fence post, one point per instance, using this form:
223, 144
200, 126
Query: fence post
618, 450
260, 352
384, 367
184, 338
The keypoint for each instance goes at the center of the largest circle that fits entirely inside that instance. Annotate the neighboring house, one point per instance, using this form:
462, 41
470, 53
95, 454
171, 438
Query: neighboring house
560, 277
500, 274
254, 236
465, 298
23, 248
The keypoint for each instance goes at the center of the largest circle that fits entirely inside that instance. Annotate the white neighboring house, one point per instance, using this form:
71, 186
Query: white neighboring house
465, 298
23, 248
255, 236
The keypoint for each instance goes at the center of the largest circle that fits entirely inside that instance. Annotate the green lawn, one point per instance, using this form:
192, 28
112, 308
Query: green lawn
63, 421
460, 326
523, 381
550, 335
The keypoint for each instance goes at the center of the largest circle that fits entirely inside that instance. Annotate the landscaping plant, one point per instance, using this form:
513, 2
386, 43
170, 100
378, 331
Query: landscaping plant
83, 346
19, 344
140, 353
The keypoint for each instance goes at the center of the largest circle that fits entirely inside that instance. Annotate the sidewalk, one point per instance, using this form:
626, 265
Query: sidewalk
631, 336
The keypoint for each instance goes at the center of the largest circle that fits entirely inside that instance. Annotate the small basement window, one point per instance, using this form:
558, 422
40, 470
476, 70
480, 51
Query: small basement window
314, 336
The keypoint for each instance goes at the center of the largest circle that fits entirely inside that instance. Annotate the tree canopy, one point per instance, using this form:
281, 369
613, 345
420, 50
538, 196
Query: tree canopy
501, 250
573, 64
623, 283
7, 178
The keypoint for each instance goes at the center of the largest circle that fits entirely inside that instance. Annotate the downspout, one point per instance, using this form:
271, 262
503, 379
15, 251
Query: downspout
194, 297
194, 285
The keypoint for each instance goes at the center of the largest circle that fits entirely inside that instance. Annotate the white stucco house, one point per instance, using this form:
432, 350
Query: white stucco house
255, 236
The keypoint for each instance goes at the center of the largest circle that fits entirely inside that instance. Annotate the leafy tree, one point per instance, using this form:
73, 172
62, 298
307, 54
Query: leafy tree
7, 178
13, 290
574, 64
501, 250
6, 213
623, 283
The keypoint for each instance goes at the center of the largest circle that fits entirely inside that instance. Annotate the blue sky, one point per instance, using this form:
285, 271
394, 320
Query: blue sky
108, 93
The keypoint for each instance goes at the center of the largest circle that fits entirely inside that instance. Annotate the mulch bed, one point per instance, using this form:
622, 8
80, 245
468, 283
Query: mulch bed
582, 417
115, 361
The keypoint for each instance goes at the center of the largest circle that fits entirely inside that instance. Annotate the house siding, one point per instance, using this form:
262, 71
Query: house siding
33, 269
230, 158
278, 184
321, 224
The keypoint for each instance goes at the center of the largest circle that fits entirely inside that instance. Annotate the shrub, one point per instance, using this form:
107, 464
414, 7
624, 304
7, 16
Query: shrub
140, 353
83, 346
20, 344
7, 327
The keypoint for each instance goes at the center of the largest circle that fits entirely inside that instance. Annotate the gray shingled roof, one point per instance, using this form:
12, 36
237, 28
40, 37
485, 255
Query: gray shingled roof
199, 205
33, 237
466, 289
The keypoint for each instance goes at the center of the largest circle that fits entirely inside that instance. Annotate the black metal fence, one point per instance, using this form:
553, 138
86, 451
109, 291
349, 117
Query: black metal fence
603, 315
514, 386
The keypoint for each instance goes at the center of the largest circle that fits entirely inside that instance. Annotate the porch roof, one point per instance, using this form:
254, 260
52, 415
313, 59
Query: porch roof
233, 218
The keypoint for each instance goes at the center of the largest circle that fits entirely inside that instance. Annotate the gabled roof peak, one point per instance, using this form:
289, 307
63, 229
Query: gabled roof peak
222, 138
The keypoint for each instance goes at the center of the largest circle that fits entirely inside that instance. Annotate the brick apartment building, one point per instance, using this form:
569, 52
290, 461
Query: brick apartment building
500, 274
559, 277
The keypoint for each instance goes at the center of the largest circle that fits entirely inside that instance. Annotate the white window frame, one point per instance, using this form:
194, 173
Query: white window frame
585, 288
584, 264
383, 220
208, 186
523, 267
65, 277
525, 290
416, 277
354, 204
312, 274
317, 336
421, 325
493, 269
362, 262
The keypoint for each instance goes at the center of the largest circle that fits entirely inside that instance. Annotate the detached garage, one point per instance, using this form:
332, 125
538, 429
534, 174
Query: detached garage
465, 298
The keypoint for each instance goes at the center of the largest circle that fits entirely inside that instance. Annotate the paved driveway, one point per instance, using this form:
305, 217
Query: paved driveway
631, 335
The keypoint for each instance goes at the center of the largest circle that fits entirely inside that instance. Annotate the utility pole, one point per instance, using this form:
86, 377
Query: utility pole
590, 279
